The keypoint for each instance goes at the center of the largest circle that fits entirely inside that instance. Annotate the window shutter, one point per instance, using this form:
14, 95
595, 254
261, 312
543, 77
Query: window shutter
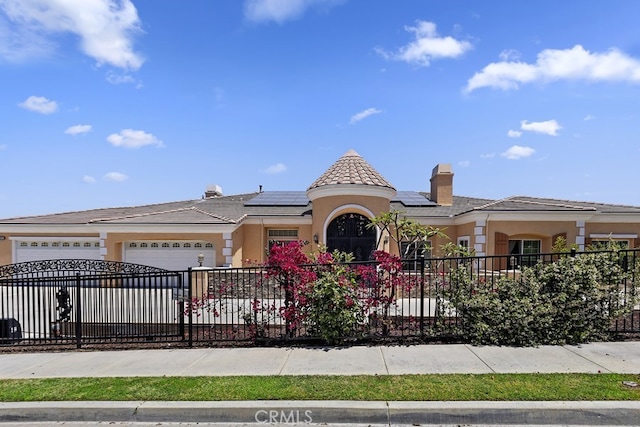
501, 248
502, 244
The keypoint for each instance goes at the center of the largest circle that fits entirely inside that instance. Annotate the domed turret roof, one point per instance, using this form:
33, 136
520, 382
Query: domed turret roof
351, 168
351, 173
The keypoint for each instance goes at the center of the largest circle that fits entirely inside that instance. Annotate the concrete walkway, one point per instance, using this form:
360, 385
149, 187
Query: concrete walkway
616, 357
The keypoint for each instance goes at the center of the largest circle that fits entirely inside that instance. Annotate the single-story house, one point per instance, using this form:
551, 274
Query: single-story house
233, 230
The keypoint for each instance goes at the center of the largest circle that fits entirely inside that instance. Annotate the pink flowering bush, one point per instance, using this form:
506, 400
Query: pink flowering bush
327, 295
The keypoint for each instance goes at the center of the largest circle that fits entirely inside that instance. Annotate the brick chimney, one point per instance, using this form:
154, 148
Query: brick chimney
442, 184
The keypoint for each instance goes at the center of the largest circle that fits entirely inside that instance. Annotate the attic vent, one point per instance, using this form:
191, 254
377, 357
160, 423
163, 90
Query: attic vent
283, 233
213, 191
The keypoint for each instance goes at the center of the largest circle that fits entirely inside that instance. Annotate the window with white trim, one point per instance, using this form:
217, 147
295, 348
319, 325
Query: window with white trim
605, 244
281, 236
464, 242
413, 251
523, 253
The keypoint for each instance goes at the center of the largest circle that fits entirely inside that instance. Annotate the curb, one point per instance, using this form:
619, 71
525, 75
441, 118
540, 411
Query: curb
600, 413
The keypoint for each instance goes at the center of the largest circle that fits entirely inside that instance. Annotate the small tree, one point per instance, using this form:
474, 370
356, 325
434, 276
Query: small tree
401, 229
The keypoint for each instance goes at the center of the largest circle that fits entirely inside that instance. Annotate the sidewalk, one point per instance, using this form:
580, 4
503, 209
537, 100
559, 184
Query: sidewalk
615, 357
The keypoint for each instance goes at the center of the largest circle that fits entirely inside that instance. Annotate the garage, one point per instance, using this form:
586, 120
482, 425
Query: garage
34, 249
169, 255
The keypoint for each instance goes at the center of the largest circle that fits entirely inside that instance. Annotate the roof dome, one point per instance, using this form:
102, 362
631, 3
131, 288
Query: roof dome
351, 174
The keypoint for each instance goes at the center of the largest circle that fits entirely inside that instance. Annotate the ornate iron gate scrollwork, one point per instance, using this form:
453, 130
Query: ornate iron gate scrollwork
349, 233
86, 266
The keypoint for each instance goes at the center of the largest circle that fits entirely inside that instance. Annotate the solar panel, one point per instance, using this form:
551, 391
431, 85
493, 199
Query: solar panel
412, 199
279, 198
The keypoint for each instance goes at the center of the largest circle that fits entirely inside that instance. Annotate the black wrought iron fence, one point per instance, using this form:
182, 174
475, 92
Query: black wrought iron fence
78, 309
421, 299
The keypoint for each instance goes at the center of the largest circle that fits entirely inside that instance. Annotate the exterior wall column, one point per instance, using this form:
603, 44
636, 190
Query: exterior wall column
227, 251
103, 245
580, 237
480, 238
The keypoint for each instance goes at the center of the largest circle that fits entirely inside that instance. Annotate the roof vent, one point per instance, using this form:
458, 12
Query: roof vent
213, 191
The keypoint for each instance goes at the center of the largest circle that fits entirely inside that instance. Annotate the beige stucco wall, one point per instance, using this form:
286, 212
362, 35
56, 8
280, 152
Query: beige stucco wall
254, 241
238, 249
619, 228
544, 231
5, 251
326, 209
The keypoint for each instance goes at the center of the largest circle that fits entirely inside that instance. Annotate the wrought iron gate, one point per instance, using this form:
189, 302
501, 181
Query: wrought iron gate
83, 301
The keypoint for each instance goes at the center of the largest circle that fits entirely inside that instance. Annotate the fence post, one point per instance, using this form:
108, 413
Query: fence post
573, 252
180, 298
422, 296
189, 305
78, 312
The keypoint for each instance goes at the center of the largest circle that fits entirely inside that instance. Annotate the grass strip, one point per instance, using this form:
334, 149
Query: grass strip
452, 387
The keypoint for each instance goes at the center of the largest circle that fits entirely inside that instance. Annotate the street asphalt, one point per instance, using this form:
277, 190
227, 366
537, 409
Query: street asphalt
611, 357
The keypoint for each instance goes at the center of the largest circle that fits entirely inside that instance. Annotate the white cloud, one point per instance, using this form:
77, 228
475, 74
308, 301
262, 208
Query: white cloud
78, 129
589, 117
514, 133
105, 28
549, 127
115, 177
364, 114
281, 10
576, 63
39, 104
510, 55
487, 156
89, 179
464, 163
427, 46
125, 78
131, 138
275, 169
518, 152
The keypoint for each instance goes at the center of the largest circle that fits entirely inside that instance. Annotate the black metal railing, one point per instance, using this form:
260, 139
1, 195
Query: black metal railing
115, 303
77, 309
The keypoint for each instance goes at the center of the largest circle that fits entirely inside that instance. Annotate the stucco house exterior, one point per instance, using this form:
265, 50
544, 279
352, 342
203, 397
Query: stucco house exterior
232, 230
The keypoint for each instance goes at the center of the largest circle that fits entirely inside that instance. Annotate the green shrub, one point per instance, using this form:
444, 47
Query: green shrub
569, 301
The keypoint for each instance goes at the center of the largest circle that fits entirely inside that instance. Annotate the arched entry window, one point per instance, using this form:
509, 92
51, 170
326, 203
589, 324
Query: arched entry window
349, 233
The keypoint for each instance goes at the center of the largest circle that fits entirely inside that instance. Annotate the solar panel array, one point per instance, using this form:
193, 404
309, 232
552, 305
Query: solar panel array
412, 199
279, 198
299, 198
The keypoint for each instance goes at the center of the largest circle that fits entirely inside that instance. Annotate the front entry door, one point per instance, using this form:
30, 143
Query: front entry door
349, 233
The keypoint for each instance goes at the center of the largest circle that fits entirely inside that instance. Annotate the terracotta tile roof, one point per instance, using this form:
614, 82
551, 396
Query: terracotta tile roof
351, 168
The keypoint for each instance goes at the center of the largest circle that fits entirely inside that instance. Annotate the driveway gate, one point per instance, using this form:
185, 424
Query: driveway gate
89, 301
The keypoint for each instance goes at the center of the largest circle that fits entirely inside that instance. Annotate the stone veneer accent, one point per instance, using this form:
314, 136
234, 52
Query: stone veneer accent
227, 251
479, 237
580, 237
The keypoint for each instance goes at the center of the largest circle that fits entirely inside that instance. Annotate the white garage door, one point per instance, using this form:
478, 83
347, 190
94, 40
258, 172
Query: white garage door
170, 255
38, 250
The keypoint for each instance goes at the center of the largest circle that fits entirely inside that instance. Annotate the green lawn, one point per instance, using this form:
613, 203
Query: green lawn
497, 387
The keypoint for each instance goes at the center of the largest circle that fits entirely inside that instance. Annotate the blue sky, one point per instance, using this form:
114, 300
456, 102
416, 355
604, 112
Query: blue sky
128, 102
